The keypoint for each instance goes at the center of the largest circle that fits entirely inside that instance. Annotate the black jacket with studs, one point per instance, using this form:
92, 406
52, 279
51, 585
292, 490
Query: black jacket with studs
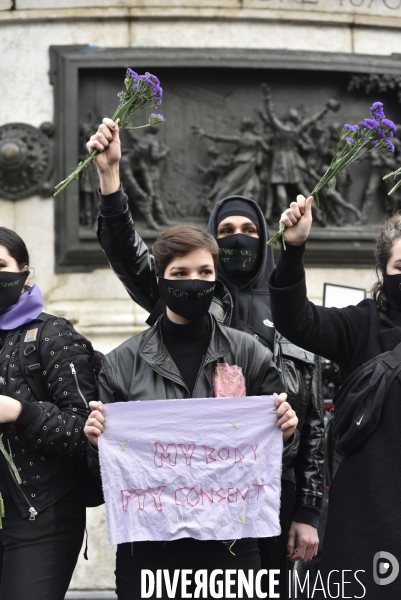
47, 440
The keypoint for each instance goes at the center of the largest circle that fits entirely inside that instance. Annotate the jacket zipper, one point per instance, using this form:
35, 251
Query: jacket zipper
33, 512
73, 371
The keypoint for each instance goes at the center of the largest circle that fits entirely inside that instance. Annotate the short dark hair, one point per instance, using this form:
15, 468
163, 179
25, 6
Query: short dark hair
180, 241
15, 246
389, 234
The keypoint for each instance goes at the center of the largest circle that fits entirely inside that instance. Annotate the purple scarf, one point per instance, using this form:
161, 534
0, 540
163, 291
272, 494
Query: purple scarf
28, 307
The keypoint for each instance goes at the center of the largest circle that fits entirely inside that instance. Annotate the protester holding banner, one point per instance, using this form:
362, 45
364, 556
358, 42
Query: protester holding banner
46, 384
177, 358
241, 300
364, 522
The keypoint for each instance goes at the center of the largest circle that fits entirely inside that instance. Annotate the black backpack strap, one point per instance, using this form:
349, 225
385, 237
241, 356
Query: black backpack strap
393, 360
29, 358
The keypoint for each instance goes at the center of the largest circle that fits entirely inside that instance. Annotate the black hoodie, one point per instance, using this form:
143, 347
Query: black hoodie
251, 299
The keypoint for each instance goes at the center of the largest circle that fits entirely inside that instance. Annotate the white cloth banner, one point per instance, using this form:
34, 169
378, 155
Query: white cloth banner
204, 468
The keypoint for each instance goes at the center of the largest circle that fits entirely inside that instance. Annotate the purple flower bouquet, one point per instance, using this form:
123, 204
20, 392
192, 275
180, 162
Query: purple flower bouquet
141, 91
355, 141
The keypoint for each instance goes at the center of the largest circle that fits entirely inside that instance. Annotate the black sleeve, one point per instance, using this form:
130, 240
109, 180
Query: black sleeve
328, 332
112, 204
271, 383
309, 462
128, 255
56, 423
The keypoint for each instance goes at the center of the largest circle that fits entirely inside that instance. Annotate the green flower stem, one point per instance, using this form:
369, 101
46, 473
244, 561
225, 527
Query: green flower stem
276, 237
394, 174
9, 459
75, 174
136, 98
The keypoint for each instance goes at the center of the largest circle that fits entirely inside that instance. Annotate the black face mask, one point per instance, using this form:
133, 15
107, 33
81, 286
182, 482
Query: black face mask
11, 285
392, 289
189, 298
239, 253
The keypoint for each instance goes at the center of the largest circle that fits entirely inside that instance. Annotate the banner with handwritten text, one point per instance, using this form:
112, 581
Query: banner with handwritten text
207, 468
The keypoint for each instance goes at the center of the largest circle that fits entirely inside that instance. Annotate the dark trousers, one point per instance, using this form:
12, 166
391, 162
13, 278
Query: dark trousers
185, 553
273, 551
37, 558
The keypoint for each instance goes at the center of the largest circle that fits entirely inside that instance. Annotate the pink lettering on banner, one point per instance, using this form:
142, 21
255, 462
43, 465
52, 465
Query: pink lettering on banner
178, 503
224, 453
130, 495
187, 452
220, 496
258, 485
193, 497
208, 452
228, 381
210, 498
254, 449
169, 453
240, 493
238, 456
156, 496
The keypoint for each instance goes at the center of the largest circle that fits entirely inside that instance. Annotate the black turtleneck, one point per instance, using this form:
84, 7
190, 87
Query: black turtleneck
187, 345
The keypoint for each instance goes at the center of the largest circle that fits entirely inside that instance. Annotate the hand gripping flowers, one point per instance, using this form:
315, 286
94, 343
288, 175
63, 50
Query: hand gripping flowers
141, 91
355, 141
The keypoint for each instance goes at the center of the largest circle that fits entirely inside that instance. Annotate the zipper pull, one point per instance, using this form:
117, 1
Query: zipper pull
33, 513
73, 371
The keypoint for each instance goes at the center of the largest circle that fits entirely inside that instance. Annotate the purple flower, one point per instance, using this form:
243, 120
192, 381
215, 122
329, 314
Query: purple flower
153, 78
148, 81
390, 145
377, 110
389, 124
376, 125
373, 143
351, 127
154, 119
134, 75
350, 140
157, 94
366, 125
2, 381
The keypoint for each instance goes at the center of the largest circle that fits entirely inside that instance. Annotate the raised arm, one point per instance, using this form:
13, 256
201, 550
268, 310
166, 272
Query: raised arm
328, 332
128, 255
270, 115
332, 104
214, 136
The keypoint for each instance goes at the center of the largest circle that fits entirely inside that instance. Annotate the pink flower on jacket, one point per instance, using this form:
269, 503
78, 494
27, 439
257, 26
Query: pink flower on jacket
228, 381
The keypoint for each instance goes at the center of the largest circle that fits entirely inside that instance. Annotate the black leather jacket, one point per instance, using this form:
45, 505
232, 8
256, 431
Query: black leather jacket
133, 264
143, 368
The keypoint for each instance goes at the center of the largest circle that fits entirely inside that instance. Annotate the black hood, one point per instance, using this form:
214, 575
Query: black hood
251, 298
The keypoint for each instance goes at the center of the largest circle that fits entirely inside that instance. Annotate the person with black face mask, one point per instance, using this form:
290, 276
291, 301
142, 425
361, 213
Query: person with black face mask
182, 351
241, 300
42, 442
363, 517
245, 265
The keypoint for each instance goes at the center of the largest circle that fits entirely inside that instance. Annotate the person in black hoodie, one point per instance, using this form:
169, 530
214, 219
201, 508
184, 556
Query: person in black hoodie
246, 262
241, 301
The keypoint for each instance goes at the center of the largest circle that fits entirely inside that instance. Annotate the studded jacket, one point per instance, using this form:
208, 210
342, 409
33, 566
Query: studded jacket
47, 440
133, 264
